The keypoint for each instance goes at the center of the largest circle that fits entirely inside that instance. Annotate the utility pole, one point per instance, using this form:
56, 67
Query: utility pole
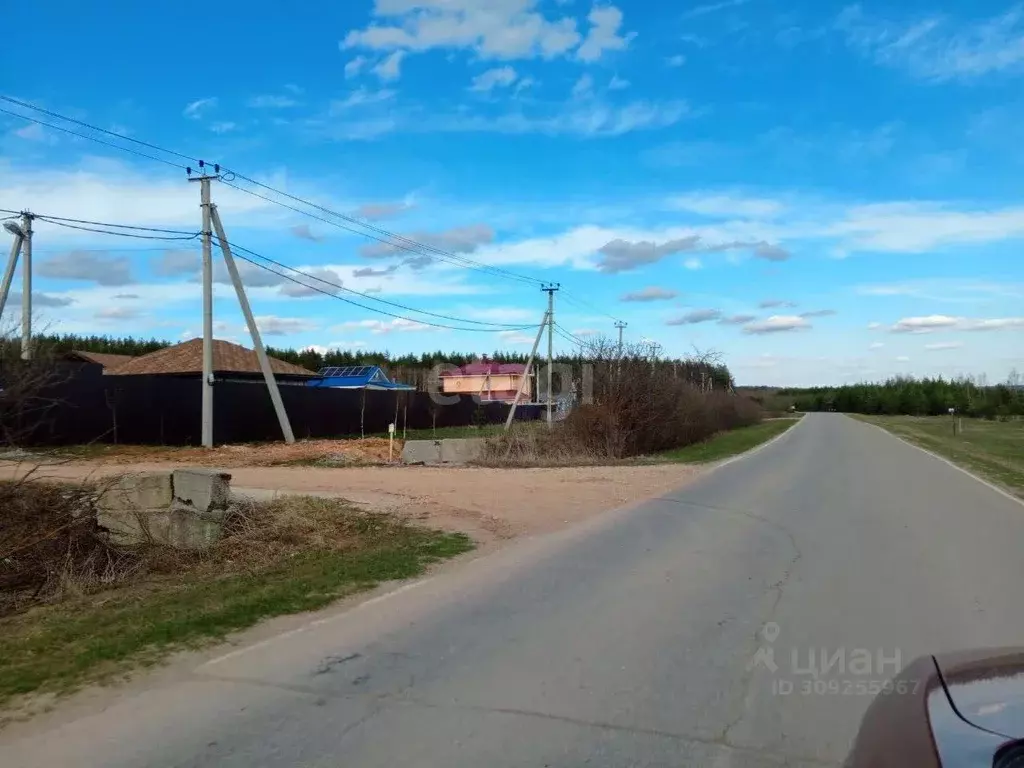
254, 331
550, 290
26, 286
204, 204
12, 261
620, 325
526, 373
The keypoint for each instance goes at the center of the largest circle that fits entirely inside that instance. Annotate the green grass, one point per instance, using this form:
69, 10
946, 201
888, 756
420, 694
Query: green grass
992, 449
726, 444
59, 647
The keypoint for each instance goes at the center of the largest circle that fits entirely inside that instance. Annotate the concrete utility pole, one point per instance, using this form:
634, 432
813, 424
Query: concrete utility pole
257, 341
12, 261
26, 287
526, 373
204, 198
620, 325
550, 289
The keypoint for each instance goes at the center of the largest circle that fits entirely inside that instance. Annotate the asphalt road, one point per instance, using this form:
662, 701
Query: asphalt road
679, 633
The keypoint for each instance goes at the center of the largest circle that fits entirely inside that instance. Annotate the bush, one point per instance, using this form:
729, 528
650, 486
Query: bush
638, 406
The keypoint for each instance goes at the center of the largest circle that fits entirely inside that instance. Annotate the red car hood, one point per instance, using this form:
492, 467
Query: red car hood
987, 688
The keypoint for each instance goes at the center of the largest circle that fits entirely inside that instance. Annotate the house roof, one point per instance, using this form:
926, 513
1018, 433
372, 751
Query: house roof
104, 359
483, 369
356, 377
188, 358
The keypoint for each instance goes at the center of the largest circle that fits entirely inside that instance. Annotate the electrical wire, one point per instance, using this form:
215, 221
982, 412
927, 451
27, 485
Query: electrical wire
340, 287
392, 239
413, 246
90, 138
55, 219
192, 236
573, 299
568, 336
92, 127
373, 309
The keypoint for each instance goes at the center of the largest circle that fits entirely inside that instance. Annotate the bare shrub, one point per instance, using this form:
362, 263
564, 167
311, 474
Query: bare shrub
638, 405
50, 546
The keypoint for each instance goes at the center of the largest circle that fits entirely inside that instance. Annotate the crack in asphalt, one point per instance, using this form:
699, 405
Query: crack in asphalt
778, 586
683, 737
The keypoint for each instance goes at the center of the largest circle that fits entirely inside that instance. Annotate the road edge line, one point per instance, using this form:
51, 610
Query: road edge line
756, 449
944, 460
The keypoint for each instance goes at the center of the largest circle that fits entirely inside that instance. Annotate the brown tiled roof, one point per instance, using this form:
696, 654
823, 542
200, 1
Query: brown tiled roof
188, 358
101, 358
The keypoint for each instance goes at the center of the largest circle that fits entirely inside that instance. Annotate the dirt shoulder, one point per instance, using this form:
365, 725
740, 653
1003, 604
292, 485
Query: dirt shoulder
488, 504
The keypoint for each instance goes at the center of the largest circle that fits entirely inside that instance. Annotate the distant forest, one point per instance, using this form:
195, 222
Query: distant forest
915, 397
408, 368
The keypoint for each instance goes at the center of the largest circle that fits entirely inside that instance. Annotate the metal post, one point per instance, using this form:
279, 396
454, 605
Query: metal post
26, 287
620, 325
526, 373
204, 187
257, 342
12, 263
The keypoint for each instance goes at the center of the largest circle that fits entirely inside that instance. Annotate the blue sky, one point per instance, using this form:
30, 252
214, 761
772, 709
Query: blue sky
822, 192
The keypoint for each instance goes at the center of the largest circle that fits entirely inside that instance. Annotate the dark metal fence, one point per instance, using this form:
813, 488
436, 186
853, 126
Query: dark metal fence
166, 410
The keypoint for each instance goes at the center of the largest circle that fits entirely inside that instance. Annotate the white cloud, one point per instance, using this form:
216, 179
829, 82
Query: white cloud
198, 109
355, 66
271, 325
693, 263
391, 67
676, 61
876, 345
902, 359
916, 227
720, 206
223, 126
618, 84
696, 316
604, 34
270, 101
930, 323
499, 77
517, 337
945, 289
653, 293
874, 326
938, 48
400, 325
704, 10
777, 324
31, 132
583, 87
87, 266
498, 29
359, 98
775, 303
943, 345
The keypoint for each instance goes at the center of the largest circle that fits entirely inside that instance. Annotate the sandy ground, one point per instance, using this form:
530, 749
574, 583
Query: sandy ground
489, 504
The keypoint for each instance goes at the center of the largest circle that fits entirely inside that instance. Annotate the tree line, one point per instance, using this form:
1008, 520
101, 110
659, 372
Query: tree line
916, 397
702, 369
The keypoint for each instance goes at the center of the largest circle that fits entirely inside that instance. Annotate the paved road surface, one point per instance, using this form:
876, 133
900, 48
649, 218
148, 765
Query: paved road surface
627, 641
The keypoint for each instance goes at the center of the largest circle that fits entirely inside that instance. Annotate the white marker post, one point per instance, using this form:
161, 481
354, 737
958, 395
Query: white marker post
391, 442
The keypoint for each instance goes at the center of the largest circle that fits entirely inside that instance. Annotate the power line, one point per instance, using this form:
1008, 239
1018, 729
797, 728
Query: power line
92, 127
55, 219
573, 299
370, 309
192, 236
393, 239
569, 336
89, 138
413, 246
338, 286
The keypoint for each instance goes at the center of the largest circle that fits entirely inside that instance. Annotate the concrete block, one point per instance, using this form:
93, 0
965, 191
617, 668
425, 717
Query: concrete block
130, 507
422, 452
190, 529
461, 450
203, 489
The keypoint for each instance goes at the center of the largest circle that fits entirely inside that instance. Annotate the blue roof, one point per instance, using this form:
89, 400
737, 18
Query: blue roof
355, 377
